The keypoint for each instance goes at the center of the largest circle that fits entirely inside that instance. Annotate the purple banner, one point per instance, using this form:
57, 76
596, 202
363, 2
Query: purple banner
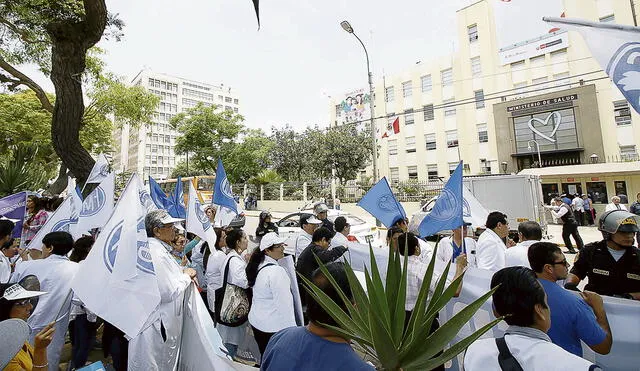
14, 207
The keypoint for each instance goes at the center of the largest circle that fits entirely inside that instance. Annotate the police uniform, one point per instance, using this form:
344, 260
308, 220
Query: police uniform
606, 275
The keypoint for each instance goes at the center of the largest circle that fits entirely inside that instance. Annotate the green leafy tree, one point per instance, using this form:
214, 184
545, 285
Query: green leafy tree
290, 154
22, 170
266, 177
208, 134
182, 171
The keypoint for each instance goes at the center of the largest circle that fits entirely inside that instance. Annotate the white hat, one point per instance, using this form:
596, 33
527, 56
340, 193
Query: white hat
17, 292
13, 334
168, 219
309, 219
270, 239
319, 208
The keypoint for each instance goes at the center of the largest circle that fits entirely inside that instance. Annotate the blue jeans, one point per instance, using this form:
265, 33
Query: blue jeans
83, 334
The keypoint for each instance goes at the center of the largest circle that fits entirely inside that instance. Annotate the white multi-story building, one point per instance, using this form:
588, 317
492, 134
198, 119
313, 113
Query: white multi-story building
486, 105
149, 150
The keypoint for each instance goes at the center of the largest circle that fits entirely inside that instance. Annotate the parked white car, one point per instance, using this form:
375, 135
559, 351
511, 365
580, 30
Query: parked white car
361, 231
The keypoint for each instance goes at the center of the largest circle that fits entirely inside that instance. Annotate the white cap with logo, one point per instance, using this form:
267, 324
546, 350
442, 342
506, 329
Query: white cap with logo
269, 240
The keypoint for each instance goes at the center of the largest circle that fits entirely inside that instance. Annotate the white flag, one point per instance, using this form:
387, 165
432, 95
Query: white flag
197, 221
472, 209
98, 206
117, 281
617, 50
100, 170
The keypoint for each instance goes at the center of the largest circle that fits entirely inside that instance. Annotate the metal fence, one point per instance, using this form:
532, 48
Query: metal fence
351, 191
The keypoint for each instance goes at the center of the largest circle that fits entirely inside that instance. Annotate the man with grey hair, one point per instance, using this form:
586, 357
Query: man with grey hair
154, 348
615, 205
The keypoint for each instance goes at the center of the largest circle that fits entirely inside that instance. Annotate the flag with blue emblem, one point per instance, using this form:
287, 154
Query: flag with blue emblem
97, 206
119, 267
100, 170
157, 194
222, 193
616, 47
175, 207
448, 210
382, 204
197, 221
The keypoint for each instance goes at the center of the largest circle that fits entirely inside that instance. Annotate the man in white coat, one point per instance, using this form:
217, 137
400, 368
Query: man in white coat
341, 238
157, 345
615, 205
529, 233
55, 272
451, 247
309, 224
491, 249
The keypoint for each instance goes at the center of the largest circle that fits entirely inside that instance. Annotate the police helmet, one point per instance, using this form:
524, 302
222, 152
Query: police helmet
265, 214
319, 208
618, 221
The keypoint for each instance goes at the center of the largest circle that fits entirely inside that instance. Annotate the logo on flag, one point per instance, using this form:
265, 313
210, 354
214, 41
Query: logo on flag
202, 217
448, 211
466, 208
222, 194
146, 200
94, 202
624, 70
380, 202
144, 261
226, 188
447, 206
387, 203
63, 225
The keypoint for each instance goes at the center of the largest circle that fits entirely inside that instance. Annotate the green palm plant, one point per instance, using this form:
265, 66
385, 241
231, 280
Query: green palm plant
20, 172
376, 317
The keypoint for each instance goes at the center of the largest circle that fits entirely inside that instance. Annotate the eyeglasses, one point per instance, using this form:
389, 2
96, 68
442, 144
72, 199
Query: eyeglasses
564, 262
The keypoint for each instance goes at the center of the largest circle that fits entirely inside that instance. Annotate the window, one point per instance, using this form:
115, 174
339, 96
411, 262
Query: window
430, 141
540, 83
447, 77
220, 98
228, 108
472, 31
393, 147
485, 166
408, 117
483, 136
622, 113
410, 144
621, 191
394, 174
227, 99
479, 96
559, 56
452, 138
388, 94
628, 153
561, 79
452, 167
449, 108
432, 172
407, 89
426, 84
235, 101
608, 19
413, 172
235, 109
476, 68
197, 94
428, 112
598, 192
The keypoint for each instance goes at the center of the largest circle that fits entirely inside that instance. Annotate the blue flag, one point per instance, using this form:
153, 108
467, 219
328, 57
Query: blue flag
447, 211
157, 194
222, 194
13, 208
176, 209
382, 204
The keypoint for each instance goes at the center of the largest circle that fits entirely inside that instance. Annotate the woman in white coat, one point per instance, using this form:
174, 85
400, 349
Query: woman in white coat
272, 303
237, 243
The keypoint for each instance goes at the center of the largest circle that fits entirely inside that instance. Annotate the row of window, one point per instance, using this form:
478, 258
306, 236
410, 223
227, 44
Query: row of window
432, 171
430, 140
165, 85
196, 86
159, 160
162, 117
168, 97
197, 94
154, 171
160, 138
168, 107
160, 149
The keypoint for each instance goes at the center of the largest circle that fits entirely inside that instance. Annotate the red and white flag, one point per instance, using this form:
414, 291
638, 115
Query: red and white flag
392, 128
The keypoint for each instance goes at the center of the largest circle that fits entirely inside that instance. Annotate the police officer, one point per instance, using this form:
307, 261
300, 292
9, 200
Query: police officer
569, 224
321, 213
613, 264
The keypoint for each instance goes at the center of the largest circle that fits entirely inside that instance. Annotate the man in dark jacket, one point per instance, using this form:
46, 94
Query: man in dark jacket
563, 212
635, 209
320, 247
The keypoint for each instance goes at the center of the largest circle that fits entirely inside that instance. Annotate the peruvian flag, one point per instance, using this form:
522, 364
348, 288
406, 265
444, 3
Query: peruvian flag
392, 128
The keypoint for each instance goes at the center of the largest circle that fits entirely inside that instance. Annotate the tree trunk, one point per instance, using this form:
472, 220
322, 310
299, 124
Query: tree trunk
70, 42
61, 182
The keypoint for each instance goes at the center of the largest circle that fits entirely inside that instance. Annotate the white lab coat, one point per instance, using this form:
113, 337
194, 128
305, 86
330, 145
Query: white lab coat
532, 353
5, 268
341, 240
272, 304
55, 274
490, 251
213, 276
236, 276
302, 241
518, 255
612, 206
148, 350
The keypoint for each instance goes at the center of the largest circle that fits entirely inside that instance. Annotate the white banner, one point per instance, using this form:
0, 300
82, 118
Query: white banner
98, 206
197, 221
100, 170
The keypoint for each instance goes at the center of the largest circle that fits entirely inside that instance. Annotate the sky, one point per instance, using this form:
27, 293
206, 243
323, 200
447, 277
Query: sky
285, 72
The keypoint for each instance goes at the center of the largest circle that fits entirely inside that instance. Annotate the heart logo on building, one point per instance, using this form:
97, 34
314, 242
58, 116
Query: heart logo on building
554, 119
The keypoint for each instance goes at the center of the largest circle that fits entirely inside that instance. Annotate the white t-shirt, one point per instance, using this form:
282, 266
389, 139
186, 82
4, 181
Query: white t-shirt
518, 255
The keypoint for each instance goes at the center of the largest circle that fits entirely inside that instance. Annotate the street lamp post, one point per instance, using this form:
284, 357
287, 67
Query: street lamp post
347, 27
537, 148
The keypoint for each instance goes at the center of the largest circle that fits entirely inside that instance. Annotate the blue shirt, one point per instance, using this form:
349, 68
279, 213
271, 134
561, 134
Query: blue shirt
572, 319
295, 348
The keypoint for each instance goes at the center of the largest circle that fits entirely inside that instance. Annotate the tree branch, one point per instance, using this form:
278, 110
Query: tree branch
96, 20
25, 80
24, 36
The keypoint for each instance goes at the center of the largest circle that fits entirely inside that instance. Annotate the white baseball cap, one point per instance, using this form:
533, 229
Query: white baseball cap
17, 292
309, 219
270, 239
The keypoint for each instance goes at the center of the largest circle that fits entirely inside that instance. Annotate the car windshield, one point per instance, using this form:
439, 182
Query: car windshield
353, 220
